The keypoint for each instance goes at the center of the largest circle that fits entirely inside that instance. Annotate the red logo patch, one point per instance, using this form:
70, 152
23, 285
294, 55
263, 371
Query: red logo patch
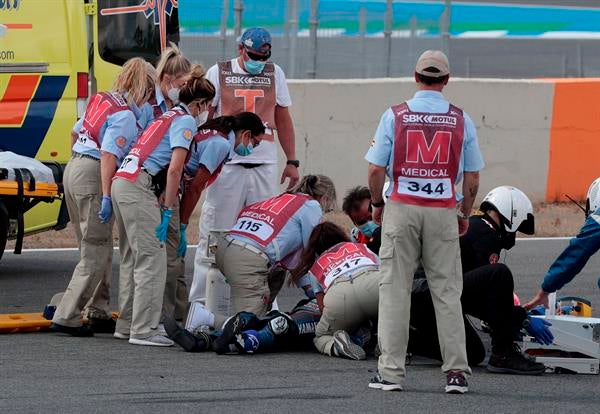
120, 141
494, 258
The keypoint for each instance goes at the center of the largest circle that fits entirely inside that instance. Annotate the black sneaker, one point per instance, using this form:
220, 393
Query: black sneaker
456, 383
379, 383
514, 362
102, 325
184, 338
80, 331
231, 328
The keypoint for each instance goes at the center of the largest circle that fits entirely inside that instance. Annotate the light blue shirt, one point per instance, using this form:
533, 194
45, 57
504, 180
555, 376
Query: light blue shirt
381, 152
294, 235
179, 135
117, 135
211, 153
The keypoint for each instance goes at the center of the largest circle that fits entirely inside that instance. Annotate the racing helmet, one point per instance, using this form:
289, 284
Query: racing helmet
513, 206
593, 197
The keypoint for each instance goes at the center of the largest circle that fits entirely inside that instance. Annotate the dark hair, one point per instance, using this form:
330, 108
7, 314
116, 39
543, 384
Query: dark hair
354, 197
430, 80
238, 122
197, 87
323, 237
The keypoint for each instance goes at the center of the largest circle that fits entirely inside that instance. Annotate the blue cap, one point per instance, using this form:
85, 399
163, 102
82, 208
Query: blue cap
256, 39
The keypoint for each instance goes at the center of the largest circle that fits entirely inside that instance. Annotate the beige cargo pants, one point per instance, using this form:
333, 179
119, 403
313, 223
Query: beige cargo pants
176, 294
143, 267
90, 281
413, 234
349, 303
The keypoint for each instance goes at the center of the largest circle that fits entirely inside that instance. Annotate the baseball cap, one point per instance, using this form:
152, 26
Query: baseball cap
433, 63
256, 39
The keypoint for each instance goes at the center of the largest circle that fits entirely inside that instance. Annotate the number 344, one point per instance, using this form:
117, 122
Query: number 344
416, 187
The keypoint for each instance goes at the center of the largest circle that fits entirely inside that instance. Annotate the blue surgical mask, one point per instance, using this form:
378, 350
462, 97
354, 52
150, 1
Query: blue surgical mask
243, 150
254, 67
368, 228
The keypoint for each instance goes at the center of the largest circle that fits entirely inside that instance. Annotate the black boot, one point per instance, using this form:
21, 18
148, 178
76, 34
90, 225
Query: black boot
102, 325
184, 338
514, 362
80, 331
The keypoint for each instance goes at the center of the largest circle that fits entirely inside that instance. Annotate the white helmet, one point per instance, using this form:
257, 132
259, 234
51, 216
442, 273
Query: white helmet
593, 197
513, 206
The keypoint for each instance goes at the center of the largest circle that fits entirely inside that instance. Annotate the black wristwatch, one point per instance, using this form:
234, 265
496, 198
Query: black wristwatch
380, 204
295, 163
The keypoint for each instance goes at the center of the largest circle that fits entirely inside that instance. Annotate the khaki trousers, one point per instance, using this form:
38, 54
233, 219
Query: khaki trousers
143, 257
348, 304
413, 234
176, 295
248, 276
90, 281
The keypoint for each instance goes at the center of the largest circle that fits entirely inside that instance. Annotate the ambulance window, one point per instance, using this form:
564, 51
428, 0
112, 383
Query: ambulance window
131, 34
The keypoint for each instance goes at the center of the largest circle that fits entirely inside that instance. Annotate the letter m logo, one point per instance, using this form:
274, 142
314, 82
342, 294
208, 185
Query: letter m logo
96, 109
277, 204
419, 151
334, 257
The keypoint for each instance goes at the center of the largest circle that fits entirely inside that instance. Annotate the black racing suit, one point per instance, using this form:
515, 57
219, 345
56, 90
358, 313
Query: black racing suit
487, 295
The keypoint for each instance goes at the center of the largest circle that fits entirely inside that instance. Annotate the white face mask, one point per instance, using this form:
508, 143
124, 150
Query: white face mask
173, 94
201, 118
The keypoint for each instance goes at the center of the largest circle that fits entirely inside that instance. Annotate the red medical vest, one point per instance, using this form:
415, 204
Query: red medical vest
101, 106
343, 259
427, 151
203, 135
263, 221
146, 144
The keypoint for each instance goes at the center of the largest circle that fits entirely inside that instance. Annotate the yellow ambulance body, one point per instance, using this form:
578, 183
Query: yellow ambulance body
53, 55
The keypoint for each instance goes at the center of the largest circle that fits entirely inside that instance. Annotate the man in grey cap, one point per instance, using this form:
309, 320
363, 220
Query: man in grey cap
425, 145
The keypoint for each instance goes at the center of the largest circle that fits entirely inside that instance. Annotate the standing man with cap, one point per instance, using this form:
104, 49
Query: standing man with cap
252, 83
425, 145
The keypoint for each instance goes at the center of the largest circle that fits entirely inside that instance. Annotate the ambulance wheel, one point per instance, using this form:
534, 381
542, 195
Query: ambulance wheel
3, 228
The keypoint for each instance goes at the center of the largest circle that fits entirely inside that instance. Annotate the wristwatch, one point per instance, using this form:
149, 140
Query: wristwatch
295, 163
379, 204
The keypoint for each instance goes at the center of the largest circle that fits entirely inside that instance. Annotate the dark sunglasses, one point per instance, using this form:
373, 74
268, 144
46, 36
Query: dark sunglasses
255, 56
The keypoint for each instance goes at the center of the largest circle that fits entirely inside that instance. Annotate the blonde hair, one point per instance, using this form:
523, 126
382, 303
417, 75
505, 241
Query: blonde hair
172, 62
136, 77
318, 187
197, 86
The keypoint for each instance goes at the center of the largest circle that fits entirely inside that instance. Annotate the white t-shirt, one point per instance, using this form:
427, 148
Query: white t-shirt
266, 152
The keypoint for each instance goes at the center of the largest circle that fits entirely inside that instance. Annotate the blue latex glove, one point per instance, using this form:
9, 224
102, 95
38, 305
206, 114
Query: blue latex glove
105, 209
161, 230
538, 328
182, 248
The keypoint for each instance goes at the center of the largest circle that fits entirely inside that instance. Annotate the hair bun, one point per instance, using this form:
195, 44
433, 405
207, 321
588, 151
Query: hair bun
197, 71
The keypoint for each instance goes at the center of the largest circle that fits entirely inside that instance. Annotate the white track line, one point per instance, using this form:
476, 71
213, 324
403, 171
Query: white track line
73, 249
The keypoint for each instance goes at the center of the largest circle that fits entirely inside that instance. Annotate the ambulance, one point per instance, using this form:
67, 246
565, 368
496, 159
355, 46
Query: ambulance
53, 55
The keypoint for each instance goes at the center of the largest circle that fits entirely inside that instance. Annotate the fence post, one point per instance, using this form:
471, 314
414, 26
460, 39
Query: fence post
445, 26
362, 32
223, 34
293, 16
579, 60
387, 34
314, 24
411, 44
238, 10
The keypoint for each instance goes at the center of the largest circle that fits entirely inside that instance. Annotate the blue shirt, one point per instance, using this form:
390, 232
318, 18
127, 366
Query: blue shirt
179, 135
211, 153
117, 135
572, 260
294, 235
381, 152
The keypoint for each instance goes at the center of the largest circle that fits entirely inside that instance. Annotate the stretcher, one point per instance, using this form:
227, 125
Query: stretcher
576, 346
24, 322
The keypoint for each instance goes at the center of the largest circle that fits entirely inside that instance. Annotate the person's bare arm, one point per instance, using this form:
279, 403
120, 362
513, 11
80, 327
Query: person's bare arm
108, 166
470, 188
192, 193
74, 137
287, 140
376, 180
174, 175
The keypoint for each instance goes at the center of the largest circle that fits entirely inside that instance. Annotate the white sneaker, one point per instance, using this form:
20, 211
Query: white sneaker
161, 330
119, 335
155, 340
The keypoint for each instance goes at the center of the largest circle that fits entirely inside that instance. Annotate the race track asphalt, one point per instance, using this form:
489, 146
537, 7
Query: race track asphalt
45, 372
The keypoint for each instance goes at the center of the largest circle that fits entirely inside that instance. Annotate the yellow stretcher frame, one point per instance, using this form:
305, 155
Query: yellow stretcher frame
42, 190
23, 322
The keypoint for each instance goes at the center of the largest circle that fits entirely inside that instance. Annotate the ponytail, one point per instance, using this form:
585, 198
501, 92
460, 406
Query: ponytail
136, 78
319, 187
197, 86
172, 63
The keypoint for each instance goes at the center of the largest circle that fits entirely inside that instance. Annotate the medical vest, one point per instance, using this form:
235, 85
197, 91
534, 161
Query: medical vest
343, 259
263, 221
101, 106
427, 152
146, 144
203, 135
249, 93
